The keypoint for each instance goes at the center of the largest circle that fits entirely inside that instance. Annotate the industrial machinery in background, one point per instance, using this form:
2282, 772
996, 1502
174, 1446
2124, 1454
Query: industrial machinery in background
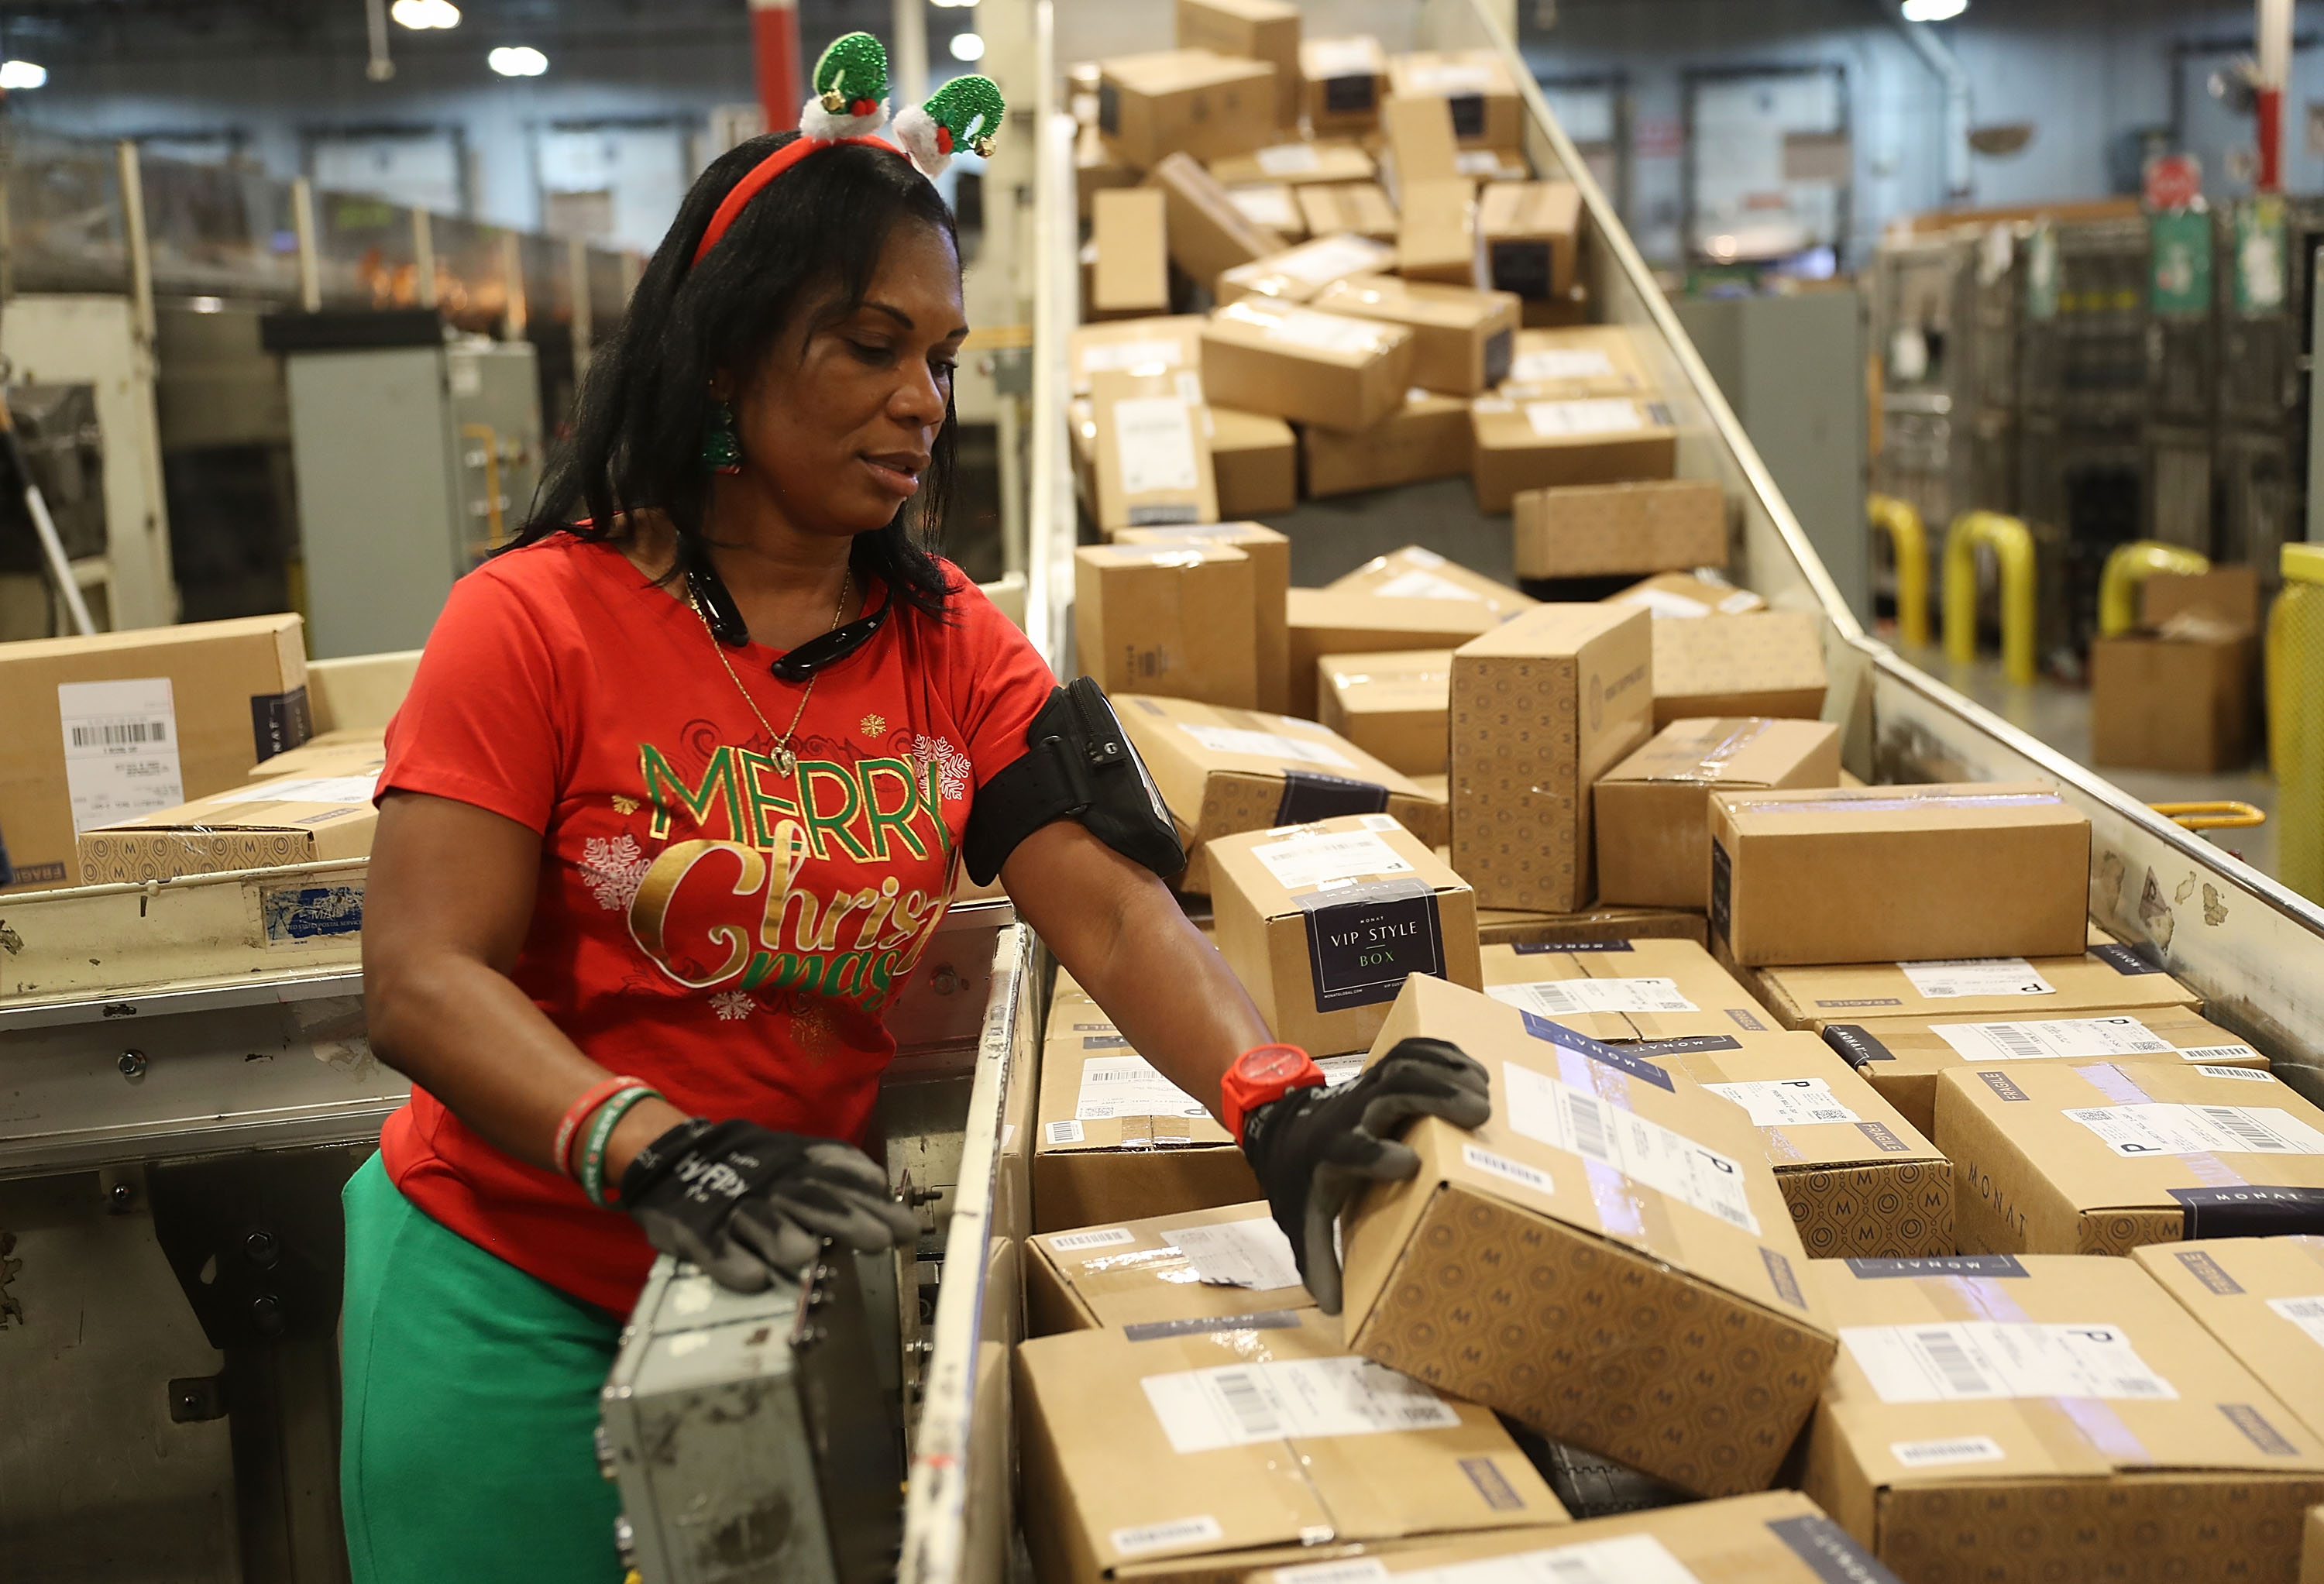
63, 450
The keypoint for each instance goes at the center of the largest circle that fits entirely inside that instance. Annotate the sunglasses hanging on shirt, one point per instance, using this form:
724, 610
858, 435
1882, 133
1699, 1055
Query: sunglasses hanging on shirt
726, 621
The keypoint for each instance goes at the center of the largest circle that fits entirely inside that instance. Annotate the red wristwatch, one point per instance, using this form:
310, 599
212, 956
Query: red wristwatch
1261, 1075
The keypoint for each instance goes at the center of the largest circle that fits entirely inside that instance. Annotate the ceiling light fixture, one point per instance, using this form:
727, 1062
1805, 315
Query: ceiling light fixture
419, 15
517, 60
1933, 10
967, 47
21, 73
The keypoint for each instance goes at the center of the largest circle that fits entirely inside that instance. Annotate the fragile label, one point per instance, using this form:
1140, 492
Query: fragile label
1251, 1253
2307, 1313
1322, 857
1559, 420
2162, 1128
1785, 1102
1129, 354
1554, 998
1156, 436
1425, 585
1982, 1360
2050, 1037
1103, 1238
1130, 1086
1977, 976
1945, 1452
1502, 1166
1569, 1119
1561, 363
1203, 1410
1272, 745
120, 749
1289, 160
1200, 1530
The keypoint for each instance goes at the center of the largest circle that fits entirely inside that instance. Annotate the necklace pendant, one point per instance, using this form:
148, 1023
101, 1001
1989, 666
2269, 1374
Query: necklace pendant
786, 761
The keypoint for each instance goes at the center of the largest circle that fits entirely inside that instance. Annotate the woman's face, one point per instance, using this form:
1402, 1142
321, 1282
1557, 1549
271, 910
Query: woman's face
838, 426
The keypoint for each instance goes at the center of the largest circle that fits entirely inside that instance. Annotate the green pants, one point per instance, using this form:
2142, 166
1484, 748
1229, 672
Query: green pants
468, 1447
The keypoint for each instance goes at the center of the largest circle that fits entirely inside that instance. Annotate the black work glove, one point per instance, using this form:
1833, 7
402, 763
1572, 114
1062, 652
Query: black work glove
746, 1204
1315, 1149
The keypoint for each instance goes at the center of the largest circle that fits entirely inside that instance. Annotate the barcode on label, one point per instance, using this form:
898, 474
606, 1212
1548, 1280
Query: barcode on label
2242, 1074
1589, 1126
1930, 1454
1254, 1415
1954, 1362
2017, 1042
117, 734
1500, 1165
1065, 1132
2218, 1052
1361, 1571
1176, 1531
1103, 1238
2251, 1135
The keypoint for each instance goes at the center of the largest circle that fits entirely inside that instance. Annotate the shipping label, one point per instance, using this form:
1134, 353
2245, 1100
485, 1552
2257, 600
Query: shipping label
352, 790
1986, 1360
1786, 1102
1573, 1119
1605, 415
1130, 1086
1947, 1452
1290, 159
1627, 1559
1127, 355
1565, 998
120, 749
1502, 1166
2050, 1037
1103, 1238
1426, 585
1238, 1404
1320, 858
1251, 1253
1156, 436
1559, 363
1272, 745
1977, 976
2162, 1128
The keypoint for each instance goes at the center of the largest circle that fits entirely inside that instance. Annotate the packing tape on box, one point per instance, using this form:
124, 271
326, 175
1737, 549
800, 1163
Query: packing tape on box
2089, 1420
1713, 764
2229, 1204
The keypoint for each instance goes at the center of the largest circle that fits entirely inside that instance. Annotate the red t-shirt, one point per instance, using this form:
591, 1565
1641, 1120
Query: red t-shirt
726, 933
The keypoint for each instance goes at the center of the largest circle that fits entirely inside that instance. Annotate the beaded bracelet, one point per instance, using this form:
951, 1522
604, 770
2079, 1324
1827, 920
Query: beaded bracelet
560, 1153
601, 1136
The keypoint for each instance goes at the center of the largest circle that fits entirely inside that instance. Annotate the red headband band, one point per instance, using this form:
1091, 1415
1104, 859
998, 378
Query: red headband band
765, 172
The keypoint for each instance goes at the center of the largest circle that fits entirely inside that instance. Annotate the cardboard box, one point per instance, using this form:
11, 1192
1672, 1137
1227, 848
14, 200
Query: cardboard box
1426, 437
1175, 619
1270, 204
1587, 925
1270, 569
1259, 30
1585, 360
1420, 144
1345, 80
1096, 167
1138, 1463
1345, 621
1755, 663
1871, 874
1168, 345
1531, 233
1436, 237
1903, 1058
1463, 339
1530, 444
260, 824
1322, 922
1299, 164
1633, 1287
2102, 978
1184, 102
2173, 704
2228, 594
1417, 573
1590, 530
1301, 273
1475, 87
1938, 1443
1360, 208
1115, 1138
358, 693
1652, 810
1683, 596
1255, 461
1207, 234
1494, 165
1193, 1264
1542, 706
1152, 450
1307, 366
2257, 1298
1393, 705
104, 729
358, 751
1131, 278
1624, 991
1775, 1537
1222, 770
1862, 1182
2099, 1158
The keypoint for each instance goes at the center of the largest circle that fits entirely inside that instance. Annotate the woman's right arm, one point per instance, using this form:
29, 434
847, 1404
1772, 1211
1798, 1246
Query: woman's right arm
445, 908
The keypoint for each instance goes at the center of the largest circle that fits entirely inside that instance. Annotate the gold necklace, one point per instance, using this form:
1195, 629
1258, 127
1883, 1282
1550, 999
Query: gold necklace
786, 761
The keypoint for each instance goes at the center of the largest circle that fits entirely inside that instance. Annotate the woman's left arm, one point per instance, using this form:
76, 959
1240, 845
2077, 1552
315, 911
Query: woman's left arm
1124, 939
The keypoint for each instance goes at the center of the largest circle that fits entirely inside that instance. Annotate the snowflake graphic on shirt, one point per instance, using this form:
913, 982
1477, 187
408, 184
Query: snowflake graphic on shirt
733, 1006
952, 764
613, 868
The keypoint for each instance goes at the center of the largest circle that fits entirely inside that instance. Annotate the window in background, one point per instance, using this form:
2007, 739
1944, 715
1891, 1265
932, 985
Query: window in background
1768, 162
617, 183
422, 168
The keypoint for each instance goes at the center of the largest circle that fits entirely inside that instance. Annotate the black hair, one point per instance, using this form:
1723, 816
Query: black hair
637, 433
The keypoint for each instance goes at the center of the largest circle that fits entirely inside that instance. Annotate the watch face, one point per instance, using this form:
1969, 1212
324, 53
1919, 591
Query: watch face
1272, 1063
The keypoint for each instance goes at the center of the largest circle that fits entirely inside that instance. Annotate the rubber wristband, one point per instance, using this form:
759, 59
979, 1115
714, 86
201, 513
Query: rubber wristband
560, 1153
601, 1136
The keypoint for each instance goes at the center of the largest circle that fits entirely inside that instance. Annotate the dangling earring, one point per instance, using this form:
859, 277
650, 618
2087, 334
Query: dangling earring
722, 452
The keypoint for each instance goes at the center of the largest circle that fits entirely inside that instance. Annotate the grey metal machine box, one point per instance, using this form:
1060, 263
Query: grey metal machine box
413, 464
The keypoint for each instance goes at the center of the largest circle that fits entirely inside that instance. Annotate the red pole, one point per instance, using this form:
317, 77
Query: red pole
775, 47
2271, 139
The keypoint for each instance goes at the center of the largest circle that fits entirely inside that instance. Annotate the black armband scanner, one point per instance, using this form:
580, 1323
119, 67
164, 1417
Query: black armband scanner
1080, 765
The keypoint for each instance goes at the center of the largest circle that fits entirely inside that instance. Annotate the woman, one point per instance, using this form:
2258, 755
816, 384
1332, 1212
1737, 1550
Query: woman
670, 812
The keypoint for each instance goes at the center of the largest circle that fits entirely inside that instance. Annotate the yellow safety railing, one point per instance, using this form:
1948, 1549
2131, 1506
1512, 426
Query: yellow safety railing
2012, 547
2128, 568
1908, 539
2225, 814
